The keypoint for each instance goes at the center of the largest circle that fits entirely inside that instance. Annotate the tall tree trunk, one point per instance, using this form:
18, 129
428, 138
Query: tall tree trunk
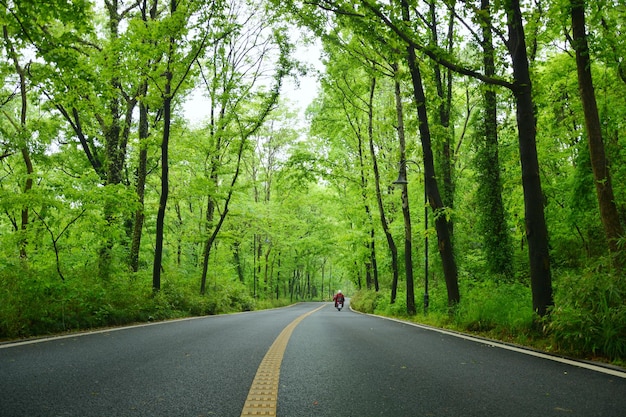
408, 249
165, 165
604, 190
493, 224
434, 197
210, 214
402, 141
142, 173
406, 212
381, 211
111, 131
443, 84
368, 213
22, 133
142, 168
536, 230
160, 223
206, 253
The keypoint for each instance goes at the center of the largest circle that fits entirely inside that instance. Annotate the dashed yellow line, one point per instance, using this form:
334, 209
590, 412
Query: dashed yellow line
263, 396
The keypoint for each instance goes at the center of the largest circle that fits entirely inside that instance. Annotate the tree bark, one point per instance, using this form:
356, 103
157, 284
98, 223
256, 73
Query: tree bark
160, 223
536, 230
142, 173
368, 215
443, 84
604, 190
22, 131
493, 224
402, 140
406, 213
379, 199
434, 197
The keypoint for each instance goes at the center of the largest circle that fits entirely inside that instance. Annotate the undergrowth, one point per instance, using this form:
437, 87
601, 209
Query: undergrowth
33, 304
588, 319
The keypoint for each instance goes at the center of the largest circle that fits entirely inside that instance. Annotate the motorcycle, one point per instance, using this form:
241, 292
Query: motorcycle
339, 305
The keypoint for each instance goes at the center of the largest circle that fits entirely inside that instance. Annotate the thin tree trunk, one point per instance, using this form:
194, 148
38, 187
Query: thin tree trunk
402, 141
434, 197
383, 219
160, 223
237, 260
21, 130
406, 214
373, 258
210, 209
142, 173
446, 163
111, 131
368, 213
165, 166
604, 190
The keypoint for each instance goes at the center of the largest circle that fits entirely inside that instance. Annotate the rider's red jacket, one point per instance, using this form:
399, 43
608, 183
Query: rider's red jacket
338, 298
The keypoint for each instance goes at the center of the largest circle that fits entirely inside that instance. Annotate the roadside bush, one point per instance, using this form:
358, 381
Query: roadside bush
397, 309
36, 302
589, 316
488, 306
365, 301
238, 298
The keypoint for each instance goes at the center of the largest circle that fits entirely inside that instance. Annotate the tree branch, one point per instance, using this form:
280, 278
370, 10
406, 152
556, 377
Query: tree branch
432, 54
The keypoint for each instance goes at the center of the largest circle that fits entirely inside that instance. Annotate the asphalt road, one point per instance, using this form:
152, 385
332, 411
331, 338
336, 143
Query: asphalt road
339, 364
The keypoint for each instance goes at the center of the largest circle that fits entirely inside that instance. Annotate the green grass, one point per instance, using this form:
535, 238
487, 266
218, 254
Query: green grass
36, 304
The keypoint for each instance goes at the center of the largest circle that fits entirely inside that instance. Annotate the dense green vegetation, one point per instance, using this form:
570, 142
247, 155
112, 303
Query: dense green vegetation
473, 153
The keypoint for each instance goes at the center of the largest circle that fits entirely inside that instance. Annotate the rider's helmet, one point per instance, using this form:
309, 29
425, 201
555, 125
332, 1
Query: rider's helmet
339, 292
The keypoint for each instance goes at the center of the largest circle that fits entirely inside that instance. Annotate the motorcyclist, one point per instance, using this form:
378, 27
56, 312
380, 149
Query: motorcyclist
338, 298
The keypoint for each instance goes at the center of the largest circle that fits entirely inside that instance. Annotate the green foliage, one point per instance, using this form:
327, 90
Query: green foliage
495, 308
589, 316
397, 309
588, 319
38, 303
366, 301
297, 219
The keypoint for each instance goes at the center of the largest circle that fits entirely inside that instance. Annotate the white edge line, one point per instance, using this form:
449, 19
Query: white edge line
526, 351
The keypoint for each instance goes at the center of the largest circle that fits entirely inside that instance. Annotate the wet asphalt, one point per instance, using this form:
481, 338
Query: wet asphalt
340, 364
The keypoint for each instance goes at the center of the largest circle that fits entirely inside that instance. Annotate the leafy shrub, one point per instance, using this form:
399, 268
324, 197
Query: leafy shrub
589, 316
365, 301
487, 306
397, 309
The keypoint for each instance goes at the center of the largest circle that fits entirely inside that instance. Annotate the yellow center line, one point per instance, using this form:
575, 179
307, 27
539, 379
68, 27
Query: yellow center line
263, 395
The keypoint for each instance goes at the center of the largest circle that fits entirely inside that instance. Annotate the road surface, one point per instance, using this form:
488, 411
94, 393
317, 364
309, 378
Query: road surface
304, 360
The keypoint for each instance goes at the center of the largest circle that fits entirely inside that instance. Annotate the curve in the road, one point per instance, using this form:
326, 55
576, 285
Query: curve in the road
263, 395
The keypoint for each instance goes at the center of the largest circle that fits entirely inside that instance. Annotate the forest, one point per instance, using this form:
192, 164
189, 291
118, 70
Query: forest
462, 163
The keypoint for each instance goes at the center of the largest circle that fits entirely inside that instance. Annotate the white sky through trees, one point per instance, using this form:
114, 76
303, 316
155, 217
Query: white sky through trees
300, 92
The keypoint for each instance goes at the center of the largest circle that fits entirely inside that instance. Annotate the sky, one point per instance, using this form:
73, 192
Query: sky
300, 94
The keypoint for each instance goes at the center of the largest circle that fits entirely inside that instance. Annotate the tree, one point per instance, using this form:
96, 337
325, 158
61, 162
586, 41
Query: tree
434, 198
536, 229
601, 172
239, 103
21, 132
493, 224
20, 41
147, 16
406, 213
521, 87
175, 24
